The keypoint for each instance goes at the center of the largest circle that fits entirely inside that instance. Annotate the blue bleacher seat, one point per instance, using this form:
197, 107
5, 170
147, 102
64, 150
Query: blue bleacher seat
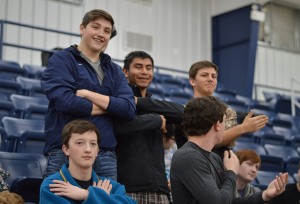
248, 137
29, 107
223, 90
157, 92
28, 188
185, 82
15, 127
270, 95
265, 177
6, 109
31, 142
170, 85
282, 104
267, 129
22, 164
26, 173
224, 96
296, 123
292, 164
3, 97
245, 145
295, 142
271, 163
286, 132
247, 100
9, 87
179, 97
238, 106
269, 138
30, 87
34, 71
158, 77
285, 152
9, 71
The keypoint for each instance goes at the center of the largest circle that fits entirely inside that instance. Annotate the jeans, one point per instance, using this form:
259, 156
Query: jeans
105, 164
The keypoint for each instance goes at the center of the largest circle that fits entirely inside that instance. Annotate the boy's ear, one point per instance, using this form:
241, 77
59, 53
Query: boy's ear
192, 82
65, 149
125, 71
217, 126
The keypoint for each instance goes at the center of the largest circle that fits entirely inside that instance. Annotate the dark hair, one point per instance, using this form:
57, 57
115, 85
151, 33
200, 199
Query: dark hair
170, 132
136, 54
200, 114
248, 154
80, 127
200, 65
98, 13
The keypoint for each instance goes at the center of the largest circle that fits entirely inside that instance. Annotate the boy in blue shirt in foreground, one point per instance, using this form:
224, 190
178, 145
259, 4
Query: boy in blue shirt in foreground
77, 182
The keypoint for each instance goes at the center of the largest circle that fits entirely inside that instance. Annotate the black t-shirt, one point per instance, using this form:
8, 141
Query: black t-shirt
84, 184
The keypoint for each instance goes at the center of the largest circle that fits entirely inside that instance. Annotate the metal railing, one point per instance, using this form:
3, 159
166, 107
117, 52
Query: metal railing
3, 24
294, 99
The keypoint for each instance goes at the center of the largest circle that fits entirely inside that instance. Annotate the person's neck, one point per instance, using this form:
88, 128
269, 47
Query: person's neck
240, 184
203, 141
93, 56
298, 186
198, 95
143, 92
80, 174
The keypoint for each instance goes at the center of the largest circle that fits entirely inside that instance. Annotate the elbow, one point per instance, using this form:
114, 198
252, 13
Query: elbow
131, 113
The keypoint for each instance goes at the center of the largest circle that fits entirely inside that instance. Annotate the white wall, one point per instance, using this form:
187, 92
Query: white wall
180, 29
276, 68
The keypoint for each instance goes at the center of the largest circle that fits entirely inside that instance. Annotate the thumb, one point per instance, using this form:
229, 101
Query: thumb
226, 154
250, 114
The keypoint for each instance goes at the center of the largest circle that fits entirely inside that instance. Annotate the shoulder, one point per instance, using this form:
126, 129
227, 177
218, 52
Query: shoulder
230, 112
187, 155
49, 179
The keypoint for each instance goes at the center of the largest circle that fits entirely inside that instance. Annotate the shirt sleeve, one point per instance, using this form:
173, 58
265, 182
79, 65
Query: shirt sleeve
139, 123
196, 176
117, 195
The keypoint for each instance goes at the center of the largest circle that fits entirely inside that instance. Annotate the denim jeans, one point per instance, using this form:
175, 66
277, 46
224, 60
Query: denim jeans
105, 164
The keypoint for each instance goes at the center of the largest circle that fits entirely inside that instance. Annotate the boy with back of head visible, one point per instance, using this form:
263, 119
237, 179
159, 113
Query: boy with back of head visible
77, 182
73, 78
198, 175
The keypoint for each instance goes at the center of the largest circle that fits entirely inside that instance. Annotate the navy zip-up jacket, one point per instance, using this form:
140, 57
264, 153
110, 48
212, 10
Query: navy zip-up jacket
68, 72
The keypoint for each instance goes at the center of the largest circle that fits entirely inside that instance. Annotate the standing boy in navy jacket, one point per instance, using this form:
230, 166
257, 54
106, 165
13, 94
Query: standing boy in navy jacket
86, 67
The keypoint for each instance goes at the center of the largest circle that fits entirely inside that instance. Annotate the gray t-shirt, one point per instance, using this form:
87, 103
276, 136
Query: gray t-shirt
199, 177
96, 66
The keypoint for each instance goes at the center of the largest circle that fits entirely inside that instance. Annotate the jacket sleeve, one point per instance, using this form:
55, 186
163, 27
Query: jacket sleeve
171, 111
117, 195
58, 82
139, 123
254, 198
122, 103
48, 197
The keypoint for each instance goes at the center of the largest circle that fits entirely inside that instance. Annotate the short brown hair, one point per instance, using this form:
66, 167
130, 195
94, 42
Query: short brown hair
200, 114
200, 65
80, 127
248, 154
98, 13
